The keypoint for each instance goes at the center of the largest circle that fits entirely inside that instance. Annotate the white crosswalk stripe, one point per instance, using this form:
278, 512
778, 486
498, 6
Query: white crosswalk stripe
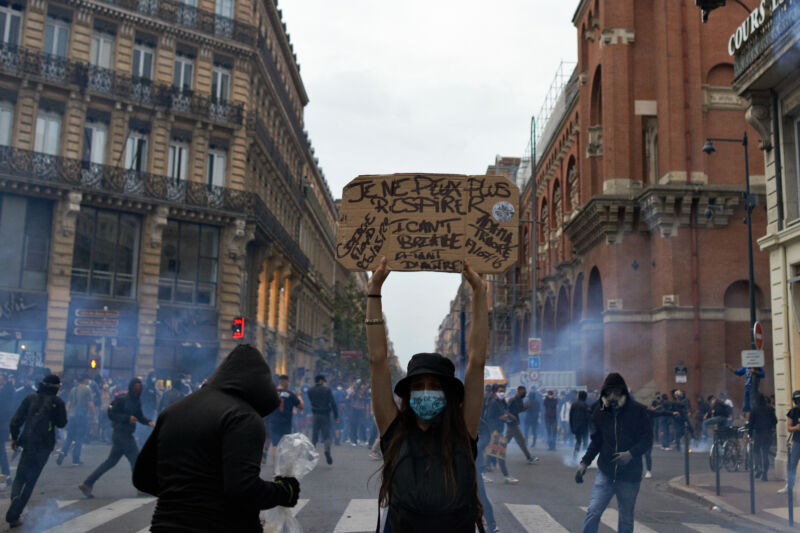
783, 512
610, 518
63, 503
100, 516
708, 528
535, 519
360, 515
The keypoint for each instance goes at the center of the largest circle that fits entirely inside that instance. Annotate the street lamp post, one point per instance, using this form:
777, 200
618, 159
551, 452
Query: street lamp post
709, 149
533, 226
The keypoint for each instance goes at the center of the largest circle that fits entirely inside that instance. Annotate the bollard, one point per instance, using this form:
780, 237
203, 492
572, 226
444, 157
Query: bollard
791, 502
686, 441
717, 461
749, 452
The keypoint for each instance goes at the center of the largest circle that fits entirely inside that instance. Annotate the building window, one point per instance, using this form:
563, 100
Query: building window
220, 83
143, 61
136, 151
102, 50
225, 8
48, 131
178, 158
10, 24
94, 143
216, 168
184, 68
56, 37
189, 256
25, 225
6, 123
106, 253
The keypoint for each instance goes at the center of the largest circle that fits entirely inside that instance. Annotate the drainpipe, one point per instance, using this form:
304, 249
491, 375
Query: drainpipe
693, 218
776, 142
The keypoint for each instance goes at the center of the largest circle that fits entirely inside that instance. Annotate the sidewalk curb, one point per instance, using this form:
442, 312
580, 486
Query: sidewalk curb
677, 486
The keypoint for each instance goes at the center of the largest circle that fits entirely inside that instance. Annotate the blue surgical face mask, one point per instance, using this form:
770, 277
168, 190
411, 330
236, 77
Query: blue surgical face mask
427, 404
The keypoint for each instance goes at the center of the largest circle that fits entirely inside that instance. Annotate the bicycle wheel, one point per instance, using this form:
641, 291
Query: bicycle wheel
730, 456
713, 460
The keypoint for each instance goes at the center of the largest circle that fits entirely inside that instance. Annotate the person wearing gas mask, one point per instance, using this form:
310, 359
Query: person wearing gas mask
681, 410
621, 435
793, 426
429, 443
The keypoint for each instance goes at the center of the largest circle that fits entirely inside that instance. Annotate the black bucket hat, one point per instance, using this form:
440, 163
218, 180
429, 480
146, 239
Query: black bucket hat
432, 364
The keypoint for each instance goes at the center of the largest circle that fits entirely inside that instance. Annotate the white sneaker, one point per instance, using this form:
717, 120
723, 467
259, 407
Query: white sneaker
648, 475
783, 490
487, 479
511, 480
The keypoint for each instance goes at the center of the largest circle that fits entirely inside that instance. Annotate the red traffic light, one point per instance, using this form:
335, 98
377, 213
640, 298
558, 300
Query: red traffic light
238, 327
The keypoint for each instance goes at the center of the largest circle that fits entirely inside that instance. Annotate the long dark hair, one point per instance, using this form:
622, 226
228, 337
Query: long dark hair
454, 435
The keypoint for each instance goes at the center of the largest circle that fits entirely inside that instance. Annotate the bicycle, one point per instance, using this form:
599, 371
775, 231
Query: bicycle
734, 447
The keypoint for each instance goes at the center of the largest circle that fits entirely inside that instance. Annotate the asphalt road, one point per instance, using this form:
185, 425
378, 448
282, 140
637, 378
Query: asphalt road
342, 498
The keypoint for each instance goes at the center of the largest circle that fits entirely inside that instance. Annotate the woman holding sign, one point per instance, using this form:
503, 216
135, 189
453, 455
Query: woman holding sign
429, 443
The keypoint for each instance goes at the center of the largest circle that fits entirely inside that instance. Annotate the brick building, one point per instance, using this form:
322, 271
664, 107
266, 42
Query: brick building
641, 256
155, 183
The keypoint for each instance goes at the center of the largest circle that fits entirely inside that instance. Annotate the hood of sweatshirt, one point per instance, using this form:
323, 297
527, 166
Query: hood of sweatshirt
245, 373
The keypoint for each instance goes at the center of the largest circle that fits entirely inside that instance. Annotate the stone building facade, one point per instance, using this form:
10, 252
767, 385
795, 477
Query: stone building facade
767, 76
155, 183
641, 250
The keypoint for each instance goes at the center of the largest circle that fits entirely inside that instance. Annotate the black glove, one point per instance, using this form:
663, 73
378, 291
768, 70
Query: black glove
287, 491
580, 473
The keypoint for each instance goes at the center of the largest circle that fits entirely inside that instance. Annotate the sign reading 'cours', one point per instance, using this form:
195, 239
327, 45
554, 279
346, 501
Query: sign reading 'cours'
428, 222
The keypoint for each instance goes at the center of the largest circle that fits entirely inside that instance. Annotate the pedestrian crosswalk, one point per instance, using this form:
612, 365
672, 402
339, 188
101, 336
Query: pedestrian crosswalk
359, 516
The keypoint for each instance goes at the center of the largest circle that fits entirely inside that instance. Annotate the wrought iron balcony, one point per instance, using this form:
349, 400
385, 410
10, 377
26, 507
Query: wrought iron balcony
187, 16
64, 71
63, 172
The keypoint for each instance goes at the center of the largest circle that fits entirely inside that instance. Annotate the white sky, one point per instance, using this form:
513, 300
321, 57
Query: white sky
423, 86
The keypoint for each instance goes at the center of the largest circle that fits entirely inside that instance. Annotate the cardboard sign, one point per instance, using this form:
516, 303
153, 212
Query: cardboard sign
497, 446
9, 361
429, 222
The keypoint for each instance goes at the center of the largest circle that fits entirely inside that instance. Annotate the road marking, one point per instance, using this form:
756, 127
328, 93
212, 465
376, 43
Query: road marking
783, 512
360, 515
708, 528
610, 518
534, 519
100, 516
145, 530
300, 505
63, 503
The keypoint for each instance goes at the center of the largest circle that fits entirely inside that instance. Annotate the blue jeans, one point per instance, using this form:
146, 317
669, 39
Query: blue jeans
602, 491
794, 456
76, 432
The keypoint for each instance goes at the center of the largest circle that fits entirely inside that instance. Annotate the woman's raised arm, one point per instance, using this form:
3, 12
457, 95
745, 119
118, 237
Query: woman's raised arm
478, 340
382, 399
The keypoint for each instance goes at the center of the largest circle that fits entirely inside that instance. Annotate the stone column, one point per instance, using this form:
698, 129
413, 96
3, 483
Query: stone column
33, 36
81, 36
230, 300
59, 275
149, 268
25, 116
72, 126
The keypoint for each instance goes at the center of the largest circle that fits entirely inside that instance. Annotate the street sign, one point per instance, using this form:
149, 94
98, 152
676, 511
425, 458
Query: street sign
533, 376
534, 362
758, 335
534, 346
752, 358
352, 354
9, 361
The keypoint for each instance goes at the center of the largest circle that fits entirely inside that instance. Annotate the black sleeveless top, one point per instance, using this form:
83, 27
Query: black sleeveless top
419, 501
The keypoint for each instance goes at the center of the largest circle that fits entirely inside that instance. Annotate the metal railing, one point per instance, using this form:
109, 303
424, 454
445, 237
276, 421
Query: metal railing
22, 61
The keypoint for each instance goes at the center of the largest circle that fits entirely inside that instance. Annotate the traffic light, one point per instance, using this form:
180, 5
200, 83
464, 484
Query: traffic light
238, 327
93, 363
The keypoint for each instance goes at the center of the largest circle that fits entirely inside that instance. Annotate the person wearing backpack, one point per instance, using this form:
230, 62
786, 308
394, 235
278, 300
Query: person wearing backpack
38, 415
125, 411
429, 444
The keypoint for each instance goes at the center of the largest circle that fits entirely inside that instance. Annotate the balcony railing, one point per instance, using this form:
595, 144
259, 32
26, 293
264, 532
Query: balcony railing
187, 16
272, 148
65, 172
64, 71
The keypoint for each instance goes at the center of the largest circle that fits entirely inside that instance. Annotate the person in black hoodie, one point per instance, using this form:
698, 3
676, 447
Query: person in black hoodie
762, 426
622, 434
40, 414
322, 404
6, 412
125, 411
203, 460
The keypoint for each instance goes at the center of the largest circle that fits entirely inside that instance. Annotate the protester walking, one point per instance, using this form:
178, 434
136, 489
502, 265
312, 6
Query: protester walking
322, 405
579, 423
280, 420
203, 458
125, 412
429, 443
516, 405
621, 435
762, 426
793, 426
6, 412
550, 419
80, 408
532, 417
38, 415
496, 416
173, 394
